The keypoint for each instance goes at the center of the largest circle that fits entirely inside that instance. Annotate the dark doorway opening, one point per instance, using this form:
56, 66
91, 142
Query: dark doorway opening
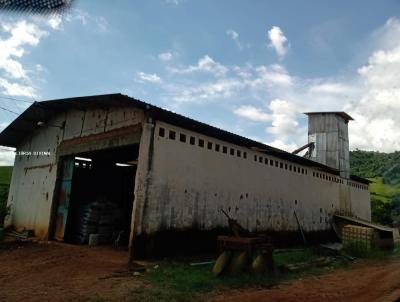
101, 197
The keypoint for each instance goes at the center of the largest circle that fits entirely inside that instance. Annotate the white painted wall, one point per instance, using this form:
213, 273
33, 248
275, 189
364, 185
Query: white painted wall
187, 185
190, 184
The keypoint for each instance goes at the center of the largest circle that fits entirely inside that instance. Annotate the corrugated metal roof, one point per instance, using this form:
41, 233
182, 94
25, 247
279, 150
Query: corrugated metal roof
360, 179
365, 223
340, 113
43, 111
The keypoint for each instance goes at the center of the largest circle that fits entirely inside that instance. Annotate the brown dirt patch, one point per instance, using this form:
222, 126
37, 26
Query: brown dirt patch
367, 281
62, 272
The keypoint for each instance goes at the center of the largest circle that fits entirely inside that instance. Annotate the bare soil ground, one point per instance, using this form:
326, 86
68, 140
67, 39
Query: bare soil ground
62, 272
367, 281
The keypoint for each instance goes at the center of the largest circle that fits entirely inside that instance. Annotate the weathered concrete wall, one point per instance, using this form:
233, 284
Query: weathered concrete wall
180, 185
361, 202
142, 181
190, 184
34, 177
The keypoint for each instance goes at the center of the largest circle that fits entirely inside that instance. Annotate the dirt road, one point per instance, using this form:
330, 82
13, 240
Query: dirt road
61, 272
366, 282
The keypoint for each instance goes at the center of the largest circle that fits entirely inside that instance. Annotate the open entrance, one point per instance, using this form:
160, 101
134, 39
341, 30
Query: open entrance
96, 197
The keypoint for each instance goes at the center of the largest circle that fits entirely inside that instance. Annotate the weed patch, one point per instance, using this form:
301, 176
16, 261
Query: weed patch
178, 281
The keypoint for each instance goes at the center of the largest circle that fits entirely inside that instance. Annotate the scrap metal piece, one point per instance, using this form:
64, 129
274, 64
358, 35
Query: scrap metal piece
301, 229
235, 227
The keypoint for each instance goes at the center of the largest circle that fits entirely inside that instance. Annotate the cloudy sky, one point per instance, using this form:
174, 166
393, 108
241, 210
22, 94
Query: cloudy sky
250, 67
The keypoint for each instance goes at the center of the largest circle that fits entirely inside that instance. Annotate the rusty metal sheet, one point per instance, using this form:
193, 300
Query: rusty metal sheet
114, 138
50, 166
104, 135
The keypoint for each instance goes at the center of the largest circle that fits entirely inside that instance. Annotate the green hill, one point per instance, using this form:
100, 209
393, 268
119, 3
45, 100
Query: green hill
5, 175
383, 191
370, 164
383, 169
5, 178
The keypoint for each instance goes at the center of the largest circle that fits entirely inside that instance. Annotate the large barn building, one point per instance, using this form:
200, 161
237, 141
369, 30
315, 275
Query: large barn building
111, 164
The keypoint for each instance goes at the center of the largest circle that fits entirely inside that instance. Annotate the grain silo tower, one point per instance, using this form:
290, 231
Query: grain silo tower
329, 133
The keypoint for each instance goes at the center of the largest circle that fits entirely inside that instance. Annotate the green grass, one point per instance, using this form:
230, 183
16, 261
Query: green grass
180, 282
373, 253
294, 256
177, 281
5, 175
5, 178
381, 191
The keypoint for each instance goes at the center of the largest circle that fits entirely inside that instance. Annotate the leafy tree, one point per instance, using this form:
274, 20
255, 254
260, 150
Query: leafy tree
381, 212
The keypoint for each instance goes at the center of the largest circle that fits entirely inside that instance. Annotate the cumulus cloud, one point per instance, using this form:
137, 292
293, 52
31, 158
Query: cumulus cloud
20, 35
277, 143
165, 56
75, 15
266, 94
204, 64
377, 122
6, 157
371, 95
16, 89
332, 88
55, 21
148, 77
273, 75
174, 2
16, 39
191, 84
282, 117
221, 89
284, 120
278, 41
235, 37
252, 113
271, 97
102, 23
6, 154
233, 34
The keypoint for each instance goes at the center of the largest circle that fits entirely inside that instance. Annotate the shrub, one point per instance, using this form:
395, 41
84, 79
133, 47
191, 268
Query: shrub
381, 212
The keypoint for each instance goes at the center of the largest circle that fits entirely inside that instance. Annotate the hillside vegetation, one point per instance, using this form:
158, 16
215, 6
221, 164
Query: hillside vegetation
5, 175
370, 164
383, 169
5, 178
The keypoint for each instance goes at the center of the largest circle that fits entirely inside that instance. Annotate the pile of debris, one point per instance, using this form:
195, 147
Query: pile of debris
20, 234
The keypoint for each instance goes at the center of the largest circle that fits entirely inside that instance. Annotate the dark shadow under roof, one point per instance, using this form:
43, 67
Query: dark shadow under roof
43, 111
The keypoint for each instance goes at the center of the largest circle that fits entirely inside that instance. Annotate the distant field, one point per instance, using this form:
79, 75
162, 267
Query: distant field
5, 175
381, 191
